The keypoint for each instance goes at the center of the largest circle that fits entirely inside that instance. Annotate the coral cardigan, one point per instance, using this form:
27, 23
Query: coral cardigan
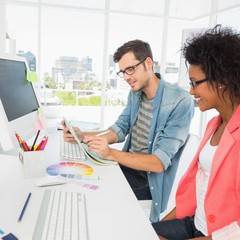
222, 201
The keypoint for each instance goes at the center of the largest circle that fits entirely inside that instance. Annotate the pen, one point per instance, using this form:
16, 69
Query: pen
35, 140
24, 207
103, 133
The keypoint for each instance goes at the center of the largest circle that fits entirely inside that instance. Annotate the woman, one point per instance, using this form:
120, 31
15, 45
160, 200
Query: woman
208, 195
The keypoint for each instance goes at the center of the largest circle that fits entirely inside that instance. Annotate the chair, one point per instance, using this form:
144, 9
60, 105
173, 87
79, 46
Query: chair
188, 153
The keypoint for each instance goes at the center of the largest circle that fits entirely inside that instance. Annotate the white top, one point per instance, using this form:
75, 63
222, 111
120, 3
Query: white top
202, 179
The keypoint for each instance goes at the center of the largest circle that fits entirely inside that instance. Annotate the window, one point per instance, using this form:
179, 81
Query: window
70, 44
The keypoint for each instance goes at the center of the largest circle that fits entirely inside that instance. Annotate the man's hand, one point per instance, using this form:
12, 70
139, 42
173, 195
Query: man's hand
68, 137
98, 144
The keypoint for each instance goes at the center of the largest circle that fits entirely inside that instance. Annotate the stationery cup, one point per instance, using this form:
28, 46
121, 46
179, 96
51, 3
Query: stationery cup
34, 163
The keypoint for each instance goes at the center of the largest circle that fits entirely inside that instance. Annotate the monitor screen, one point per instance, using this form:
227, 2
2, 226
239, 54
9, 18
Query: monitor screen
18, 102
16, 93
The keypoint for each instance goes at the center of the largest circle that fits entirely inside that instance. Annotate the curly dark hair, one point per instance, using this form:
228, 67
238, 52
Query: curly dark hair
140, 49
217, 52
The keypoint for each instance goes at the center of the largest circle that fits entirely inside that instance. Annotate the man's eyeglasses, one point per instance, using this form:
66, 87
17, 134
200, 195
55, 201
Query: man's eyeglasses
194, 84
129, 70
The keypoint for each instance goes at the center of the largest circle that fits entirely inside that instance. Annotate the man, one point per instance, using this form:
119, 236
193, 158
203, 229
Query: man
155, 124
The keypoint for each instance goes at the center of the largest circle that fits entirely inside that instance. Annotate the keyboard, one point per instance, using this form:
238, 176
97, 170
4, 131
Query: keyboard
62, 216
71, 151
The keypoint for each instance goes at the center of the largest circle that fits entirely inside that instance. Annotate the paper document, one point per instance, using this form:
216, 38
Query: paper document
93, 156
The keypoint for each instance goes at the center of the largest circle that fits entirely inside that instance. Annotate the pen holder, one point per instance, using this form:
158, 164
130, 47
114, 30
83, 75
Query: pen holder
33, 163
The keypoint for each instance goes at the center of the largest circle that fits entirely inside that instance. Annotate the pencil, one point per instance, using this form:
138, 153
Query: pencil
103, 133
24, 207
25, 146
41, 145
35, 140
19, 141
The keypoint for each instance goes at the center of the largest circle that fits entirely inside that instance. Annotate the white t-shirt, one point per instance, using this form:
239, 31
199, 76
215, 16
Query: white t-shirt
202, 179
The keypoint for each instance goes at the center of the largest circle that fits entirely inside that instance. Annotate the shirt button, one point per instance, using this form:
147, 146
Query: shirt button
156, 203
151, 188
211, 218
150, 142
149, 173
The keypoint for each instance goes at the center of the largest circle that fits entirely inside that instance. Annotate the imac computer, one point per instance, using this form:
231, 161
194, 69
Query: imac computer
19, 106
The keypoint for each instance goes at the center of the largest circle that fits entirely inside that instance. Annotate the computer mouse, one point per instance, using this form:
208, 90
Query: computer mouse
50, 181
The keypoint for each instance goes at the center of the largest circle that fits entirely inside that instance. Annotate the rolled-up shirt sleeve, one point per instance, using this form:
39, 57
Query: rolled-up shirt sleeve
171, 136
118, 131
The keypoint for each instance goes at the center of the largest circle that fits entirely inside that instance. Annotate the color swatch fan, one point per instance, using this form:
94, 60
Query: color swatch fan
70, 170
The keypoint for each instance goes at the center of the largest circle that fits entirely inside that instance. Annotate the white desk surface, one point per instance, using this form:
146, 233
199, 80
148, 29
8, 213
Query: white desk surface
113, 211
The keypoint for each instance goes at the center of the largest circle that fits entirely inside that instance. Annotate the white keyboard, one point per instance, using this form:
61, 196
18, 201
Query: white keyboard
71, 151
62, 216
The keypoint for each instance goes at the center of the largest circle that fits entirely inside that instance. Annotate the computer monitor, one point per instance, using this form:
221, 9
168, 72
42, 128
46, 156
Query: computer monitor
19, 106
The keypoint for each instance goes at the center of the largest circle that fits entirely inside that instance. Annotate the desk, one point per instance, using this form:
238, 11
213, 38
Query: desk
113, 211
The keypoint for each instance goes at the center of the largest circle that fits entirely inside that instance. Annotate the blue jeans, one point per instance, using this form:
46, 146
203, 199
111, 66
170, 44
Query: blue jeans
177, 229
138, 181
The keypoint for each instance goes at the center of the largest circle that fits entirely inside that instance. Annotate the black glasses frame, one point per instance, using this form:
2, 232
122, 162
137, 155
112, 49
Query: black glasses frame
129, 70
194, 84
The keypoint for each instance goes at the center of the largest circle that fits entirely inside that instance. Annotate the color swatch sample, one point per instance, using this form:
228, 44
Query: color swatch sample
74, 170
87, 185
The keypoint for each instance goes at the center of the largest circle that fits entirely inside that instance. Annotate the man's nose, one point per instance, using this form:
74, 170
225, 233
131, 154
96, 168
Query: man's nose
126, 77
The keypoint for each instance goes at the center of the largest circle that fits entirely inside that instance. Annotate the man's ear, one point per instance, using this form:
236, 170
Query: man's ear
149, 63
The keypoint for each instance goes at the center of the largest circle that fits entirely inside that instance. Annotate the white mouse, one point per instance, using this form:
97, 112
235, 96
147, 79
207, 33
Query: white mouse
50, 181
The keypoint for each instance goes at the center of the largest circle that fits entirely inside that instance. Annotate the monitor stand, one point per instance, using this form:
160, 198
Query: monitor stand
13, 152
